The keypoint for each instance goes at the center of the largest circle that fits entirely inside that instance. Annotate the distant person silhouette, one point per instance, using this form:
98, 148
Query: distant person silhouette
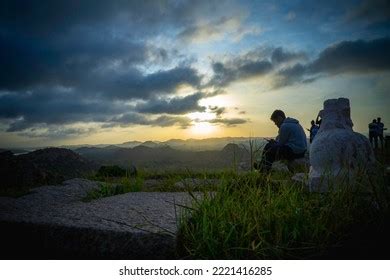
290, 143
313, 130
381, 128
373, 133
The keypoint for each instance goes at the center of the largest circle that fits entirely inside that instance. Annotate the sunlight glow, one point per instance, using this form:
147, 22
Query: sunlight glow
203, 128
201, 116
220, 101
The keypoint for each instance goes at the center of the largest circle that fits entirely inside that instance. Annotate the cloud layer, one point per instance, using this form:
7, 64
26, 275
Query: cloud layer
358, 56
284, 67
92, 62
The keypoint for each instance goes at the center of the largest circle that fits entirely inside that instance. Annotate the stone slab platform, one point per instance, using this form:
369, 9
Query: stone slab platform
53, 222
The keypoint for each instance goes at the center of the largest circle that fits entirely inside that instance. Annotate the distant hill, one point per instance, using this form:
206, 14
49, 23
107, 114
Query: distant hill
165, 157
151, 144
130, 144
72, 147
46, 166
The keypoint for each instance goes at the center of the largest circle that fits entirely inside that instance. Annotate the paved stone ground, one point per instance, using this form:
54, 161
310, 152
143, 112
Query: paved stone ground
53, 222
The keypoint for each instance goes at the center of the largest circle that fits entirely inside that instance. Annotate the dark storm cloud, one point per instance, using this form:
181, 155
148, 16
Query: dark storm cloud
164, 121
176, 106
63, 42
139, 119
354, 56
48, 17
72, 61
256, 63
25, 110
289, 75
228, 122
56, 132
226, 74
345, 57
280, 55
135, 85
96, 63
53, 107
167, 81
58, 105
126, 119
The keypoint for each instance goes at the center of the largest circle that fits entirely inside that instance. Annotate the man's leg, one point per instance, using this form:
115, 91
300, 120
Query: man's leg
267, 157
272, 152
285, 152
258, 164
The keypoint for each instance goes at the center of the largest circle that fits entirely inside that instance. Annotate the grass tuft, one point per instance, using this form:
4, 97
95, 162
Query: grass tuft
105, 189
252, 216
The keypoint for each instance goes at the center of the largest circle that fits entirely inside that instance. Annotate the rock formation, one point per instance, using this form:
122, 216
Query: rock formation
337, 152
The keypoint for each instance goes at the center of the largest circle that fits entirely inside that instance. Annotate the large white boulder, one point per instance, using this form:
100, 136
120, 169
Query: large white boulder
337, 152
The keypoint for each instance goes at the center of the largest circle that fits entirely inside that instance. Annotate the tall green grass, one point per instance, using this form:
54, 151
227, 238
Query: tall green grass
166, 182
253, 216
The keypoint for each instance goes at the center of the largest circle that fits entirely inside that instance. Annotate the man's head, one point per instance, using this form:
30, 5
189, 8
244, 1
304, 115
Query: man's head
378, 119
278, 117
313, 122
374, 120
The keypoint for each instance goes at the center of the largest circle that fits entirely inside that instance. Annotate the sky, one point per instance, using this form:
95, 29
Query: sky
93, 72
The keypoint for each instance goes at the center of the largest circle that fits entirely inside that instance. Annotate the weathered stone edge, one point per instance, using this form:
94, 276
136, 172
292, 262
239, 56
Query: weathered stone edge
22, 240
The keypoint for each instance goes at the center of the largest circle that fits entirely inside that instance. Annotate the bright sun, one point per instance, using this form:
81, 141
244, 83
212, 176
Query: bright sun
200, 125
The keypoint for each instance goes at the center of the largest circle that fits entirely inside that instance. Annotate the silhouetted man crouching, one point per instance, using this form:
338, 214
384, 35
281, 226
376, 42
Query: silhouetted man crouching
290, 143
